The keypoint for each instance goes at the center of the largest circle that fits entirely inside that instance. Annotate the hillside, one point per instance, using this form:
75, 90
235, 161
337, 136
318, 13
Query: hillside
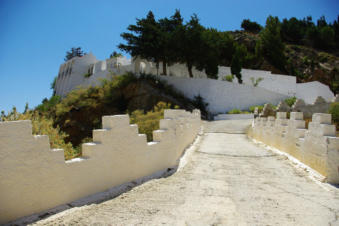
304, 62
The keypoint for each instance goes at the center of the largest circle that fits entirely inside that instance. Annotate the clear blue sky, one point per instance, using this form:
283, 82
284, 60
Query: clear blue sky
35, 35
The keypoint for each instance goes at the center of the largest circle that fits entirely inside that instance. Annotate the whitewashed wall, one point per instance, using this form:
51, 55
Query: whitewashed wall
317, 146
311, 90
223, 96
283, 84
275, 86
34, 178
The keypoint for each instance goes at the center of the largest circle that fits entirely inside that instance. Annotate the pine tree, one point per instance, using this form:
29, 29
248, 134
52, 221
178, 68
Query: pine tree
73, 53
270, 44
238, 60
143, 39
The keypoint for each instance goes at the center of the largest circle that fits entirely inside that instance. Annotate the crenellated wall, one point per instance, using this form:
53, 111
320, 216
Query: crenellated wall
317, 146
34, 177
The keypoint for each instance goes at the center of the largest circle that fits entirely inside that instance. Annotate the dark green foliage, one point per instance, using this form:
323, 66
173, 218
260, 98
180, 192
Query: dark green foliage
191, 44
87, 75
293, 30
260, 107
326, 37
143, 40
270, 44
115, 54
334, 111
238, 61
54, 82
26, 108
250, 26
73, 53
322, 35
48, 105
169, 41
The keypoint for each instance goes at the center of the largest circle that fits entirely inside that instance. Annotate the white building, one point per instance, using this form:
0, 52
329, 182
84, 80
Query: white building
88, 71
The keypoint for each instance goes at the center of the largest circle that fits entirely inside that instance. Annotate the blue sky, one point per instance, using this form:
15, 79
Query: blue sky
35, 35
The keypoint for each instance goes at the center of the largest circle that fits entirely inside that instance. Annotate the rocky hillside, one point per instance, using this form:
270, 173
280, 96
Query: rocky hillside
304, 62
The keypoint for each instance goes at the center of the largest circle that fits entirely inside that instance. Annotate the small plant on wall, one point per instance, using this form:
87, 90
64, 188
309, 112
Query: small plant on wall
228, 78
255, 82
87, 75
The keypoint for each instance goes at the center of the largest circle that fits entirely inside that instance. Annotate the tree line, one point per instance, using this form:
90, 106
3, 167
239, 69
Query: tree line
321, 35
170, 40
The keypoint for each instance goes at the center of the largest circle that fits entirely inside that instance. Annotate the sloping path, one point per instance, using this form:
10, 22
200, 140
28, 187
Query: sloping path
228, 181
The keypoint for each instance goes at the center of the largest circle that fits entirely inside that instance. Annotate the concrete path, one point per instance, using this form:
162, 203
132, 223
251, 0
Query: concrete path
228, 181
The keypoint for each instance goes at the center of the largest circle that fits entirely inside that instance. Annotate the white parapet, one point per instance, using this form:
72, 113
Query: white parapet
34, 178
317, 146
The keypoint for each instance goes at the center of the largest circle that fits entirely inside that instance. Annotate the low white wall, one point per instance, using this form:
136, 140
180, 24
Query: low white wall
283, 84
317, 146
34, 178
223, 96
311, 90
233, 116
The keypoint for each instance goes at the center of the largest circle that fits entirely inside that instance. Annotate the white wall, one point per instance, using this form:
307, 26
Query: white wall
233, 116
317, 146
223, 96
283, 84
311, 90
34, 178
230, 96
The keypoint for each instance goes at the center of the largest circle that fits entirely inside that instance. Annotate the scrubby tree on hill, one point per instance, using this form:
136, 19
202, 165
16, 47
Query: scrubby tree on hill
270, 44
74, 52
143, 39
115, 54
250, 26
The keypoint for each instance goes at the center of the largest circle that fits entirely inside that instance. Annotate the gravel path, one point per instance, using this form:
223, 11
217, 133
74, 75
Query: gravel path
228, 181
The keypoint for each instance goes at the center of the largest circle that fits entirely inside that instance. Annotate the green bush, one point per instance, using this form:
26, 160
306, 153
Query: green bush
255, 82
290, 101
149, 122
334, 111
87, 75
228, 78
234, 111
260, 107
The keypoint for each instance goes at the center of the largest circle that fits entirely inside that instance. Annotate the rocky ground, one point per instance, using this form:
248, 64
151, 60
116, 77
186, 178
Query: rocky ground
228, 180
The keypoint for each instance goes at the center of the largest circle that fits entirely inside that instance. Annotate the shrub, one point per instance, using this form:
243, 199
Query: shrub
149, 122
255, 82
228, 78
250, 26
234, 111
252, 108
290, 101
87, 75
48, 105
334, 111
